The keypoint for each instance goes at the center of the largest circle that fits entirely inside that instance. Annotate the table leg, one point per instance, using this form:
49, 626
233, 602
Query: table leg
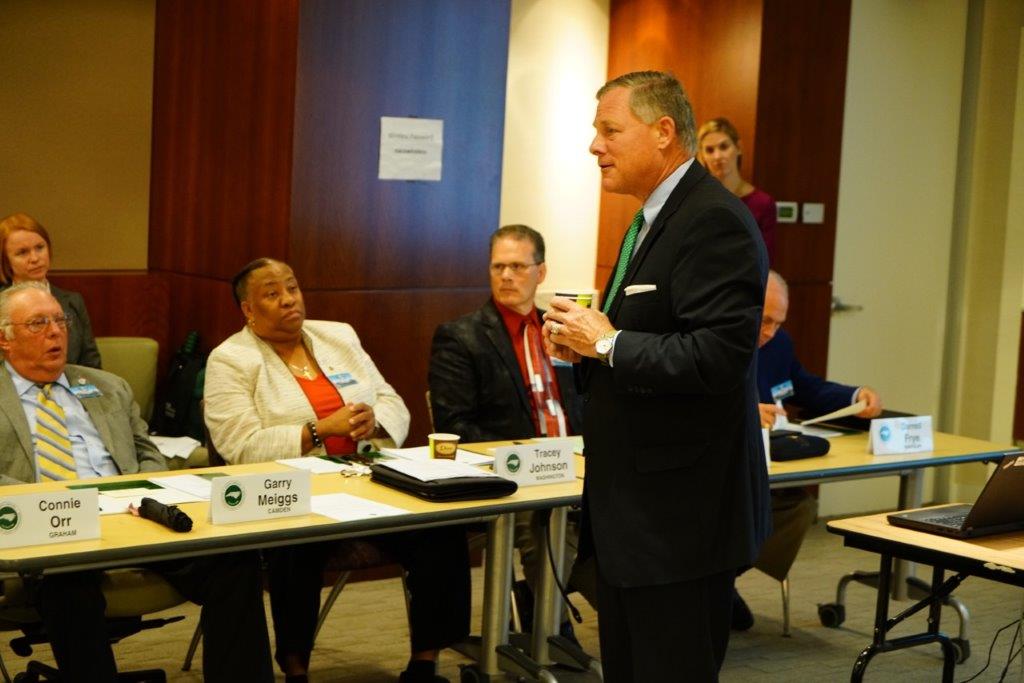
911, 495
547, 603
497, 587
881, 617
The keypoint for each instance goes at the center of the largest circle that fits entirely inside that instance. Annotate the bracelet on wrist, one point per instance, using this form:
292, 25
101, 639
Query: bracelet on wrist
317, 441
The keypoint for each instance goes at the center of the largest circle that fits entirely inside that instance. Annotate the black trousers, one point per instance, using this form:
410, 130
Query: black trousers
235, 643
674, 632
436, 561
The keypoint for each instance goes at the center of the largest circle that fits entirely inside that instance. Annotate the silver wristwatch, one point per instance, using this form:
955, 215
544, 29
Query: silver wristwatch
604, 345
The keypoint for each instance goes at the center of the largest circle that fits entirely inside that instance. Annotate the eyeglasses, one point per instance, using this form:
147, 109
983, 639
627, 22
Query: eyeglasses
37, 325
516, 268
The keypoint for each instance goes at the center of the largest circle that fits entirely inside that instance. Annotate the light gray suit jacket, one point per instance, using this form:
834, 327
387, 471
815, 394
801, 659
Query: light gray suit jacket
115, 415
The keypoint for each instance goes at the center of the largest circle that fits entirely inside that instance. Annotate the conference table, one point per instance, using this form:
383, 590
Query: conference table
127, 540
997, 558
848, 459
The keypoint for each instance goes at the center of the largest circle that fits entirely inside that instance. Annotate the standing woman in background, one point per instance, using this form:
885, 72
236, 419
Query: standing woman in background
718, 149
25, 252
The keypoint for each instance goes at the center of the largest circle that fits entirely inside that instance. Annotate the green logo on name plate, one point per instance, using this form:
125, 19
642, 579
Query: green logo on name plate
233, 495
512, 462
9, 517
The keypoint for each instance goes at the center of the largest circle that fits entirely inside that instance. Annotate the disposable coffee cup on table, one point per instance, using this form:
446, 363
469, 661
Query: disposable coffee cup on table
443, 446
581, 297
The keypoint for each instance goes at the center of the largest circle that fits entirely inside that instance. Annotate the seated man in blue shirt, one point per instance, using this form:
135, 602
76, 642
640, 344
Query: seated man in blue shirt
65, 422
783, 381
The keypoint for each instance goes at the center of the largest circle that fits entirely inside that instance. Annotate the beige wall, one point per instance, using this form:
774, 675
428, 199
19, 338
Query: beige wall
558, 58
988, 254
75, 92
1008, 337
895, 214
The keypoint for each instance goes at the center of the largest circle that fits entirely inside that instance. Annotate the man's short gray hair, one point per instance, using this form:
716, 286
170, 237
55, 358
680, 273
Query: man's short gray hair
780, 281
5, 303
653, 94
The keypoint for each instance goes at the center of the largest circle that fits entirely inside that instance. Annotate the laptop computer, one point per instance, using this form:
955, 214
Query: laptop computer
999, 508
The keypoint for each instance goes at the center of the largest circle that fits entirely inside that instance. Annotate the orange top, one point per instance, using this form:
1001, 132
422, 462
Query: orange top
326, 400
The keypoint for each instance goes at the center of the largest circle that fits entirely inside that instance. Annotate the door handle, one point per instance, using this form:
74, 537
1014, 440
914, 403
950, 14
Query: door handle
839, 307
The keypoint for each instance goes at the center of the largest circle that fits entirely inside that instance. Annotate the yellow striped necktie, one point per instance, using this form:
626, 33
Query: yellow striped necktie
53, 446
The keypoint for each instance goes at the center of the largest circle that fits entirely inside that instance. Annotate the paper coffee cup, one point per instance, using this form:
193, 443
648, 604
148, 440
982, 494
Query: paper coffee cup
583, 298
443, 445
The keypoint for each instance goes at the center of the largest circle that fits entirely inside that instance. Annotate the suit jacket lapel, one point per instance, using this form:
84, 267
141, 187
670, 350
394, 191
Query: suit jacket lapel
95, 407
10, 405
672, 204
498, 334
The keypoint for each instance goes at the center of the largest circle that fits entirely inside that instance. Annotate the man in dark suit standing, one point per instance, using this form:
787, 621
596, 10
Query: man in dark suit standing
676, 492
480, 373
782, 380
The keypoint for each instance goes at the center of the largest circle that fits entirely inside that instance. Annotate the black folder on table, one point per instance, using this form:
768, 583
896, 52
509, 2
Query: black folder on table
999, 508
444, 490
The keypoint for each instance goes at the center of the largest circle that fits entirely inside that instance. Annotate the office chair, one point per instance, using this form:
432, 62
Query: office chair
130, 593
135, 360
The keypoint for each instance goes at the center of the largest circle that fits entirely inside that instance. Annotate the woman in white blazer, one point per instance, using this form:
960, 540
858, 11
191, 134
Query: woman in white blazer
285, 387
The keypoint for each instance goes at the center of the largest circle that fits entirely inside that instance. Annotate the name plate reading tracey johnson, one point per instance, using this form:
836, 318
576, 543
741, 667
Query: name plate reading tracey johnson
252, 497
901, 435
55, 517
546, 462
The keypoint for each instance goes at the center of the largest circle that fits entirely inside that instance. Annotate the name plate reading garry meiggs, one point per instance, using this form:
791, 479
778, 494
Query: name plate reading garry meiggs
894, 435
54, 517
542, 462
253, 497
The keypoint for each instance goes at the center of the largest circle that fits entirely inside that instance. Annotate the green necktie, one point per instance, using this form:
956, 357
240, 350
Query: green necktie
624, 256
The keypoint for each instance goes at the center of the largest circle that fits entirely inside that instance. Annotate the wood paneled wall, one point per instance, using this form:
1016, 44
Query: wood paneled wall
223, 109
714, 50
777, 70
266, 138
800, 105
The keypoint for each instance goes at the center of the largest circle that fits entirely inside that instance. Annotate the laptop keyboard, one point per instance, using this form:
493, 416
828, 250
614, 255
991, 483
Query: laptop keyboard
955, 521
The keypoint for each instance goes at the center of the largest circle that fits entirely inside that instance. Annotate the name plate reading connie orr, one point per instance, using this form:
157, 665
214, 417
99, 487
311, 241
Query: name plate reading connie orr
252, 497
54, 517
548, 462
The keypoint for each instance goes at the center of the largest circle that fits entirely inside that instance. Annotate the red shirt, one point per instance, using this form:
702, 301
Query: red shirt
326, 400
514, 323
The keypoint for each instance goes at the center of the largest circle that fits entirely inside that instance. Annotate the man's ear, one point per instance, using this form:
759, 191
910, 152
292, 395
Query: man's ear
542, 272
666, 128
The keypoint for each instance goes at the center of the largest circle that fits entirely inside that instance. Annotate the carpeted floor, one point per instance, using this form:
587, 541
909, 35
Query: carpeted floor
365, 639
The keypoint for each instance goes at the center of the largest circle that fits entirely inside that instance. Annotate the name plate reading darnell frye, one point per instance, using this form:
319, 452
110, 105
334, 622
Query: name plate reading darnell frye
542, 462
901, 435
54, 517
252, 497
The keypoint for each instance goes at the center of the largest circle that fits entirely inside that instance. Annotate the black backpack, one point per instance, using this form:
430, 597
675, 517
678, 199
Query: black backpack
179, 412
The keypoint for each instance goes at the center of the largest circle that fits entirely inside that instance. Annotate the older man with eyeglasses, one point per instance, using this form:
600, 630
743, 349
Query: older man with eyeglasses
66, 422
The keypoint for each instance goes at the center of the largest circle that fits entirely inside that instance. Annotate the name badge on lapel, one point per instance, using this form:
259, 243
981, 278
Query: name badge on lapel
340, 380
782, 391
86, 391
